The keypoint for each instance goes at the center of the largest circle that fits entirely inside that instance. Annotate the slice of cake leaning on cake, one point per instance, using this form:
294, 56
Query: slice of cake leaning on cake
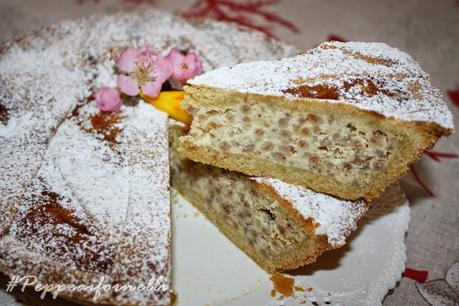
345, 119
279, 225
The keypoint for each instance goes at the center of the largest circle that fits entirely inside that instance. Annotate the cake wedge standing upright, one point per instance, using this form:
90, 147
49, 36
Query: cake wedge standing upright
347, 119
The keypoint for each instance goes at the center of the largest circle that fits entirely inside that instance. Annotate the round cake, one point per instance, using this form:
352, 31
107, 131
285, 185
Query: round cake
85, 194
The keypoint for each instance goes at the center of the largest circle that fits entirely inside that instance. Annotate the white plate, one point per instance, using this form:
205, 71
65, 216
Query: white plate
209, 270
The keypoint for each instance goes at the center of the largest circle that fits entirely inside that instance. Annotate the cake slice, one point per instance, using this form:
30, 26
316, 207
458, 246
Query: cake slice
345, 119
280, 226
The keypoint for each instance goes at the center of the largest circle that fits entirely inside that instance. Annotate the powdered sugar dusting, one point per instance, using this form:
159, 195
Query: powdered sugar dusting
370, 76
111, 197
335, 218
85, 194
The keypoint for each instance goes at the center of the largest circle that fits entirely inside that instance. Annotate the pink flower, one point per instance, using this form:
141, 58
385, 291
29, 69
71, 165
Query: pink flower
184, 66
108, 99
126, 60
144, 71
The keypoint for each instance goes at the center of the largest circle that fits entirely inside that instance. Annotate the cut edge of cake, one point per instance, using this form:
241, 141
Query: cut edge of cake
348, 133
278, 225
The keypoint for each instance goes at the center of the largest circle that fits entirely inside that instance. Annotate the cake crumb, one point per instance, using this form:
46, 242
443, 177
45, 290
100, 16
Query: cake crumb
299, 289
174, 298
283, 284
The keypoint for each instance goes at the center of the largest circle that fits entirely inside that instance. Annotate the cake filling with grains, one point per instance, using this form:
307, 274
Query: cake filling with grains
279, 225
85, 194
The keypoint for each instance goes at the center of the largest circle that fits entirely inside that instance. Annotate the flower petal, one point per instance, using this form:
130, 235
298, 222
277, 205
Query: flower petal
108, 99
127, 60
175, 58
197, 64
163, 69
128, 85
184, 66
151, 89
146, 57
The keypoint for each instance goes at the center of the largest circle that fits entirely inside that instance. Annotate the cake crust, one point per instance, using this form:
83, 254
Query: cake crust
369, 76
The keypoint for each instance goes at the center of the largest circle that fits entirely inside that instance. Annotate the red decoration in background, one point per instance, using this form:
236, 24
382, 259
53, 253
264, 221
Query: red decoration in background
333, 37
420, 182
241, 12
436, 156
453, 94
417, 275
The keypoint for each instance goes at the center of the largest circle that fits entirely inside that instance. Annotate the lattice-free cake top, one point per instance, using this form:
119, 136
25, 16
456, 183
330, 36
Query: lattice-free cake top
370, 76
333, 217
85, 194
